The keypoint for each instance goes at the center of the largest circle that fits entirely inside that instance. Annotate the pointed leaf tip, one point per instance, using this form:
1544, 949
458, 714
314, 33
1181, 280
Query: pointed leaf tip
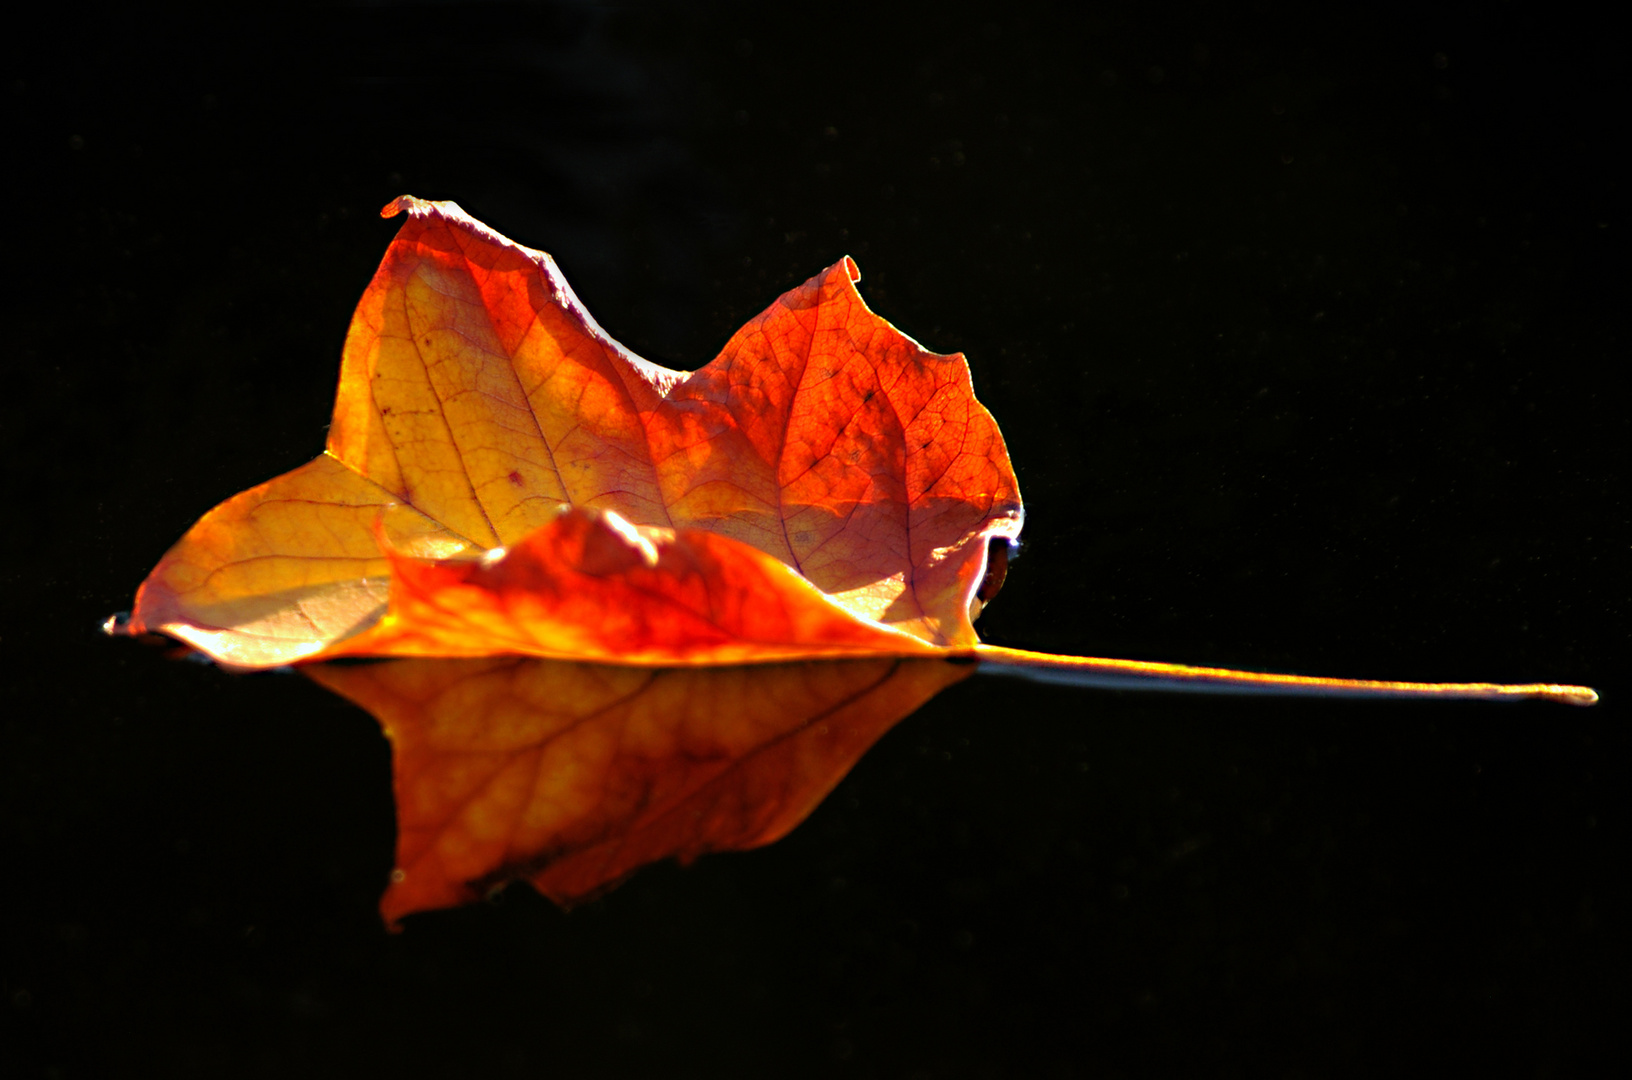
401, 204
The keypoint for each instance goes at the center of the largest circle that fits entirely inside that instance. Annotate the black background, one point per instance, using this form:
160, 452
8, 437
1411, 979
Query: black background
1305, 334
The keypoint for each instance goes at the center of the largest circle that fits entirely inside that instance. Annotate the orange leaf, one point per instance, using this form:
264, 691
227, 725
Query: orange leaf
478, 398
635, 613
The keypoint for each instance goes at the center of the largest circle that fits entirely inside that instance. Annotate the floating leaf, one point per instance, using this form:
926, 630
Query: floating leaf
619, 613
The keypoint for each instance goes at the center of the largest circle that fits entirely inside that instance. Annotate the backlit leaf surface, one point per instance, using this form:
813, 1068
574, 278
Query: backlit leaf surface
478, 398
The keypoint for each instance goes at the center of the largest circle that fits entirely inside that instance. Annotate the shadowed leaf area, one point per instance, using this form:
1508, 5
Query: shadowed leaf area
572, 775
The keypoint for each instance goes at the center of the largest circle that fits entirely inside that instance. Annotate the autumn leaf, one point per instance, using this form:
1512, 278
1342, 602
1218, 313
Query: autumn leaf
621, 613
477, 398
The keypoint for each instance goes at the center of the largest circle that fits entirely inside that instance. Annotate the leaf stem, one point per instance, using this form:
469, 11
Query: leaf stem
1145, 675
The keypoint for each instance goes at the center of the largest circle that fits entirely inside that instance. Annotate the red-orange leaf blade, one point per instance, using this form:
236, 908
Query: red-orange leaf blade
590, 586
